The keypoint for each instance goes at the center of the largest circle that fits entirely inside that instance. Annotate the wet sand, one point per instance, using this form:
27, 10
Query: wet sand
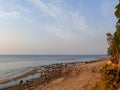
19, 76
69, 76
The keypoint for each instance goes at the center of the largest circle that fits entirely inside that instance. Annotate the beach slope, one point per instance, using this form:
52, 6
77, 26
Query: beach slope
77, 77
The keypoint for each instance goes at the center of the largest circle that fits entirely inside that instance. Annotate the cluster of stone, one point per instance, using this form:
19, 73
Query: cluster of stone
47, 74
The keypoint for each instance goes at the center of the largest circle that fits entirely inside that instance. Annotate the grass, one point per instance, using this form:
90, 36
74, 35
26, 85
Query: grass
105, 83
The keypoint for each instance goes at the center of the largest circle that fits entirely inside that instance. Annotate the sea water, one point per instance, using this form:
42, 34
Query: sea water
13, 65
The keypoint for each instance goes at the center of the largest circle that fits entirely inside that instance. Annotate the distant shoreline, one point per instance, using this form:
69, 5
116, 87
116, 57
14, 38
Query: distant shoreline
48, 73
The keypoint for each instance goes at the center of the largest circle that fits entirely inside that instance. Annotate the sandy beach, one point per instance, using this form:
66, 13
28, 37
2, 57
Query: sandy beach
70, 76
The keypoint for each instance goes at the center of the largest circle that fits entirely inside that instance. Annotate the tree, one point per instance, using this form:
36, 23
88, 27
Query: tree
114, 40
111, 72
117, 34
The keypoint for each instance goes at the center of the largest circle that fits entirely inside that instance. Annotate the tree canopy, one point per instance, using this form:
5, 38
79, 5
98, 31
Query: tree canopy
114, 40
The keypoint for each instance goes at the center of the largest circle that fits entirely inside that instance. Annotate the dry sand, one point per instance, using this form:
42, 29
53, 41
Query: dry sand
88, 76
80, 77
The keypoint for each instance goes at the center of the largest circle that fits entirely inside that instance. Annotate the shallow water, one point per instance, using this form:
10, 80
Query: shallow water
13, 65
16, 82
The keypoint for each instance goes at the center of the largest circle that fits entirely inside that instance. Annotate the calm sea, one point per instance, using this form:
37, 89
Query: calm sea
13, 65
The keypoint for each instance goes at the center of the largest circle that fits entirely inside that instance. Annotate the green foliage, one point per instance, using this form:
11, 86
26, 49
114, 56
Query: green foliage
108, 79
117, 12
114, 40
111, 73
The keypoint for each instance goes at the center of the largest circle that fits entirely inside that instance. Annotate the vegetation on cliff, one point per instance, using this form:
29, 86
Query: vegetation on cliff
110, 79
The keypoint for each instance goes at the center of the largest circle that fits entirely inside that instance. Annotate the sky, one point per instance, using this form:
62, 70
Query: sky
56, 27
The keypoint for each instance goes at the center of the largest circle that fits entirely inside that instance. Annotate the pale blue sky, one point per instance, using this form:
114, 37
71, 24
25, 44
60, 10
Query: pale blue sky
55, 26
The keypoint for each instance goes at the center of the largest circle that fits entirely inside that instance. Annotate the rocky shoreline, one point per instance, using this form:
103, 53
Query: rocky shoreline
50, 73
